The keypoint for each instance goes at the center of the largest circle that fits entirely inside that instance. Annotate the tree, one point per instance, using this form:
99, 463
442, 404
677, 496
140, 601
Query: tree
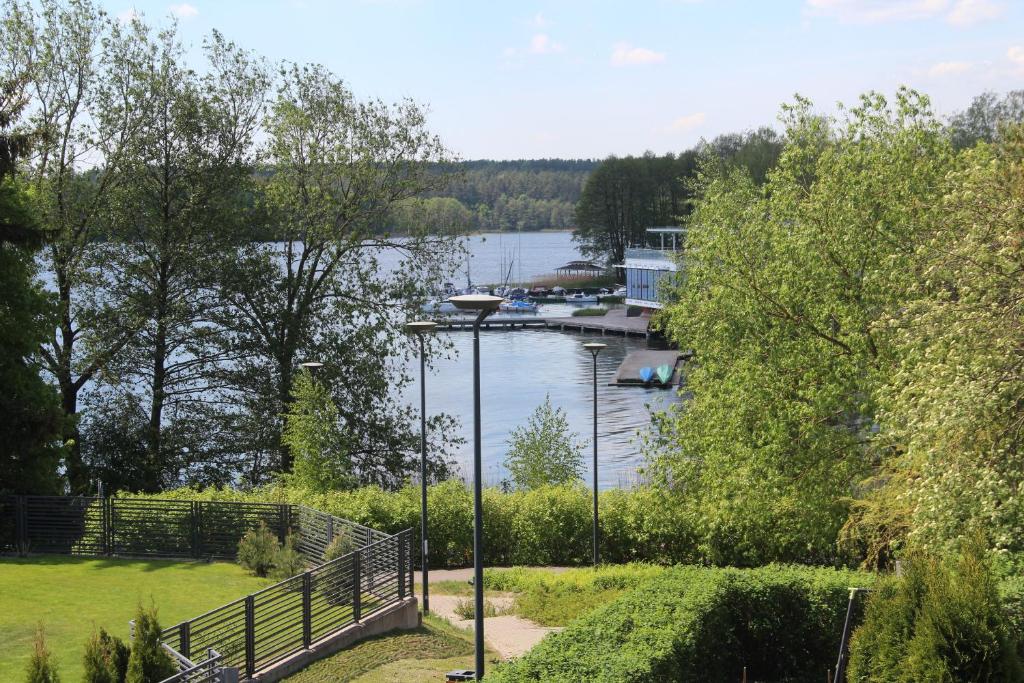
544, 452
623, 197
82, 71
316, 438
783, 286
952, 407
40, 667
339, 166
983, 120
178, 203
148, 661
30, 419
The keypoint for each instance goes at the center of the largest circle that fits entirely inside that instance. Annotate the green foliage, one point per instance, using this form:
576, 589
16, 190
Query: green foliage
546, 526
780, 622
544, 452
466, 609
106, 658
148, 663
940, 621
40, 668
258, 550
589, 312
342, 545
784, 284
316, 438
288, 561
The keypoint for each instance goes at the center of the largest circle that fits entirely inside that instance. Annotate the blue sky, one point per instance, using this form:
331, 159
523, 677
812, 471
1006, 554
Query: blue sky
569, 78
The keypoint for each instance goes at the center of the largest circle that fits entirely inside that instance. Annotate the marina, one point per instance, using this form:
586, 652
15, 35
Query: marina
614, 322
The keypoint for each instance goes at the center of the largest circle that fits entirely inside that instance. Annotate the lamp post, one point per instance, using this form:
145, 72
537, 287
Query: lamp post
421, 328
312, 366
483, 305
595, 348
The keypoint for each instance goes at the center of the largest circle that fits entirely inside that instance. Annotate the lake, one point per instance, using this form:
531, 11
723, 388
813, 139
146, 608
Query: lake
518, 368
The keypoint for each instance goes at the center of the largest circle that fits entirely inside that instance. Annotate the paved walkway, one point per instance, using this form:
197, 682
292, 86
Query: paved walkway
508, 635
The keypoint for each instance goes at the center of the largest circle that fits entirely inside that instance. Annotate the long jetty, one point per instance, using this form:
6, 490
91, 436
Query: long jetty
613, 322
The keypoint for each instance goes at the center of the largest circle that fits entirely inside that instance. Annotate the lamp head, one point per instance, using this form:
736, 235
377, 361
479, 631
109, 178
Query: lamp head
595, 347
312, 366
420, 327
476, 302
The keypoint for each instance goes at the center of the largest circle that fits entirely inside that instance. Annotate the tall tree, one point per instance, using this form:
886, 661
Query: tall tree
783, 286
338, 166
83, 73
30, 417
179, 193
983, 120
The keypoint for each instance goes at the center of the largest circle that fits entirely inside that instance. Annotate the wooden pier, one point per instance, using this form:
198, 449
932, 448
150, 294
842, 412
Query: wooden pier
614, 322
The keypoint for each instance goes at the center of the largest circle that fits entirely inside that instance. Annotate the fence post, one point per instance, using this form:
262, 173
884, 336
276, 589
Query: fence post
108, 522
357, 587
21, 525
282, 522
330, 531
401, 566
184, 634
195, 522
250, 636
307, 610
412, 573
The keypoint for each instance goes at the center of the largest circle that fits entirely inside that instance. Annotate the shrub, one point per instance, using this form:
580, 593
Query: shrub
258, 550
288, 562
342, 545
148, 661
589, 312
40, 668
544, 452
940, 621
106, 658
690, 623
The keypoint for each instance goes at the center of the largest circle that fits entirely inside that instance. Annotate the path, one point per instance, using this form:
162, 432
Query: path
508, 635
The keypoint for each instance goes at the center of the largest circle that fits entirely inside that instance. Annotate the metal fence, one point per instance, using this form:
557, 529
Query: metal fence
146, 527
263, 628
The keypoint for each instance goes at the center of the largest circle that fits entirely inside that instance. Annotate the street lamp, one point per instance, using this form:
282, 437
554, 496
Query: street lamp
421, 328
312, 366
595, 348
483, 305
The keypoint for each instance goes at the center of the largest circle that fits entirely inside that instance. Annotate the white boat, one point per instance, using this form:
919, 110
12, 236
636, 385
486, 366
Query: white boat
440, 307
517, 307
580, 298
621, 291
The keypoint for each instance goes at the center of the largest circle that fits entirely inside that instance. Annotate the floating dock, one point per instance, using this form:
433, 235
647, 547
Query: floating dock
614, 322
628, 374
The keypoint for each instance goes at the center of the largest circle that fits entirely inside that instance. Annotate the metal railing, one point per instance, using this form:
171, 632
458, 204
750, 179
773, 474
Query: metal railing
651, 254
265, 627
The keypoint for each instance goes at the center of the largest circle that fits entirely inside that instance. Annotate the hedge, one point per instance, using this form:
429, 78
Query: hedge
783, 623
548, 526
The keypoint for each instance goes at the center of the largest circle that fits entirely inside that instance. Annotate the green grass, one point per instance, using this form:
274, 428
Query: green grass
589, 312
72, 596
423, 654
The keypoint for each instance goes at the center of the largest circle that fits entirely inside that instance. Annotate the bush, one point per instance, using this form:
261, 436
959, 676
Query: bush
589, 312
148, 662
106, 658
544, 452
288, 562
690, 623
940, 621
342, 545
40, 668
258, 550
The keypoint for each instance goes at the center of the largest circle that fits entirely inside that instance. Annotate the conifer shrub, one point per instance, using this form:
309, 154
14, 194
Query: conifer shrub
288, 562
939, 621
40, 666
106, 658
258, 550
149, 662
342, 545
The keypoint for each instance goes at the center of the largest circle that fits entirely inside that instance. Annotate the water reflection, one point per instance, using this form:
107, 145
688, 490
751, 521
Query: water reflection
517, 369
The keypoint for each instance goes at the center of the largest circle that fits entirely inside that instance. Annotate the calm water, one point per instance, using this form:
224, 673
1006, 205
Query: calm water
519, 367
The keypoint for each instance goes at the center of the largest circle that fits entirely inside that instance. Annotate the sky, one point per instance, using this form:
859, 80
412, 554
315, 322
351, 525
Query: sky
579, 79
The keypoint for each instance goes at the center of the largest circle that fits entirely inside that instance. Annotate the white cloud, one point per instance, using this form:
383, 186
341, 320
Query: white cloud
184, 10
541, 44
1016, 55
624, 54
967, 12
949, 69
875, 11
687, 122
955, 12
126, 16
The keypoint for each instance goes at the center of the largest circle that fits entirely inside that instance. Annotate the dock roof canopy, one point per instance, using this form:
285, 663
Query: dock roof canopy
580, 267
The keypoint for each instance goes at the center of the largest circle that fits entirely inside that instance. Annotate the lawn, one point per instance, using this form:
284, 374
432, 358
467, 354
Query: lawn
424, 654
72, 596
